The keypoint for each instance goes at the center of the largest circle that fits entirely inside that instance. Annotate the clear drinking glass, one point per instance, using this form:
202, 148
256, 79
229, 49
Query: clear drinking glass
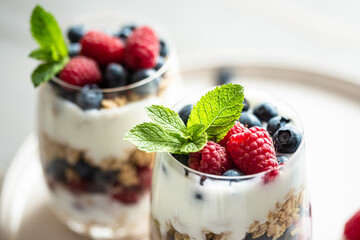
187, 204
100, 184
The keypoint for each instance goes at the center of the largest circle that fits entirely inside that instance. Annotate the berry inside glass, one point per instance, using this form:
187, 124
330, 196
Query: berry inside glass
99, 183
250, 185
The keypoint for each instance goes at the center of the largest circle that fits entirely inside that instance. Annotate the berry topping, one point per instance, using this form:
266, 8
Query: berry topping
89, 98
145, 174
125, 32
233, 173
115, 76
184, 113
74, 49
246, 105
275, 123
265, 111
352, 227
75, 33
252, 151
83, 169
237, 128
57, 168
103, 48
212, 159
249, 120
148, 88
163, 48
287, 139
80, 71
224, 76
127, 195
142, 48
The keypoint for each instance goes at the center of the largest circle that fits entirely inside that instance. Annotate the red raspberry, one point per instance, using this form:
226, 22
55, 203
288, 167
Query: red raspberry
102, 48
352, 227
237, 128
212, 159
145, 174
127, 195
80, 71
142, 48
253, 151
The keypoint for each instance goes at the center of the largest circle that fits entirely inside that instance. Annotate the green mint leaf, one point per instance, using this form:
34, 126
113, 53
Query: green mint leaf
196, 129
42, 54
151, 137
196, 144
47, 33
46, 71
168, 119
218, 110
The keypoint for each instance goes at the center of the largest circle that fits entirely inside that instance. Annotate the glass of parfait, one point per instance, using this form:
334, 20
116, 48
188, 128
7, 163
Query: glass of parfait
250, 184
100, 184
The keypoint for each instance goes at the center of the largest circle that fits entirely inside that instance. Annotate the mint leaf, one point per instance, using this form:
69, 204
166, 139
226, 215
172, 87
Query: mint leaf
196, 144
41, 54
47, 33
168, 119
218, 110
46, 71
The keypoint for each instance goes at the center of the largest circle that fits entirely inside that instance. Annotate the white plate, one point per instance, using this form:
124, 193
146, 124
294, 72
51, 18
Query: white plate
330, 111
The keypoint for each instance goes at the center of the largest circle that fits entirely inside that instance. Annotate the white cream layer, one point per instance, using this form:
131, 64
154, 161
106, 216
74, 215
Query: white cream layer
98, 132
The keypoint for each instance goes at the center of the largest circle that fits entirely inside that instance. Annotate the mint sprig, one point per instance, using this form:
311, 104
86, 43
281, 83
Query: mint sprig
211, 118
52, 46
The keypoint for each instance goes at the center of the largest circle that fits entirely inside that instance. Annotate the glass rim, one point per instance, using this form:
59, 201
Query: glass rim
288, 163
132, 18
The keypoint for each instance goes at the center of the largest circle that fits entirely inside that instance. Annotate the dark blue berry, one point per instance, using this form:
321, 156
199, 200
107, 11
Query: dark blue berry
103, 180
163, 48
282, 159
265, 111
224, 76
233, 173
115, 76
246, 105
89, 97
275, 123
148, 88
184, 113
75, 33
287, 139
125, 32
249, 120
74, 49
57, 168
83, 169
182, 158
159, 63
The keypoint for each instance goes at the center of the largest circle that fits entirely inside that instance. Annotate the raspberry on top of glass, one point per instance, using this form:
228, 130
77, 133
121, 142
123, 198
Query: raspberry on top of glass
95, 60
212, 138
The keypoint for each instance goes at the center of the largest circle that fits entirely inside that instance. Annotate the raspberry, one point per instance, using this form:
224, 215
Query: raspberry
142, 48
127, 195
212, 159
102, 48
352, 227
145, 174
237, 128
253, 151
80, 71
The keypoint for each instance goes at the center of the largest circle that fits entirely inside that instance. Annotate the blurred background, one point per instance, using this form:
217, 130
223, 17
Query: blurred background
321, 35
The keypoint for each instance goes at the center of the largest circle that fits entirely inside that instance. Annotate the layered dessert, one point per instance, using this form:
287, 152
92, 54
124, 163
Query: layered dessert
246, 177
98, 88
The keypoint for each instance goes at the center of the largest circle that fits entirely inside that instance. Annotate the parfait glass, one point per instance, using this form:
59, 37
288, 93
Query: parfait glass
188, 204
99, 184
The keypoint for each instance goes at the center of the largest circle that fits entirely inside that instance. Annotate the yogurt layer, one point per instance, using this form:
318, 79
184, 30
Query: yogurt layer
98, 132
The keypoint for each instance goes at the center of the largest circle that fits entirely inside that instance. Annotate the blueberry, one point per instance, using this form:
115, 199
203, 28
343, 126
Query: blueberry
184, 113
265, 111
287, 139
246, 105
163, 48
182, 158
282, 159
125, 32
233, 173
103, 180
159, 63
83, 169
75, 33
148, 88
89, 98
115, 76
249, 120
57, 168
275, 123
224, 76
74, 49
